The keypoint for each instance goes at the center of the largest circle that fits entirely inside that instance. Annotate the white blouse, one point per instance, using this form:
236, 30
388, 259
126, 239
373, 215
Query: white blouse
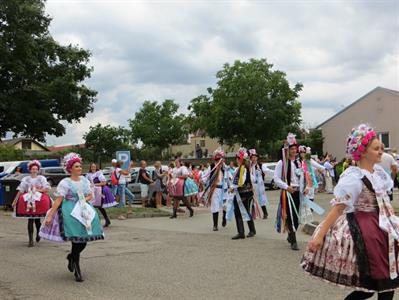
350, 185
37, 182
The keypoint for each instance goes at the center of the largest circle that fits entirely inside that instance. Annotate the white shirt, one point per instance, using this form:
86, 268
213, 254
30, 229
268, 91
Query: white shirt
278, 175
122, 179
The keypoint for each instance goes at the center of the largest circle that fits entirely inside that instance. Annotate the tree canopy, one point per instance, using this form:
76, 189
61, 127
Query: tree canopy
159, 125
104, 141
252, 104
40, 80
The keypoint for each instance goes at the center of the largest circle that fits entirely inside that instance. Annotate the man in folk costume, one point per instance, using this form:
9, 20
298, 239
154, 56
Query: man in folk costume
216, 185
258, 184
243, 196
286, 178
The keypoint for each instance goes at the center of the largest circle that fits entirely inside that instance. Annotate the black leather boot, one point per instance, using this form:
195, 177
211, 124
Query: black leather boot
107, 222
215, 217
30, 232
240, 229
70, 262
252, 231
294, 245
174, 216
78, 273
224, 219
265, 214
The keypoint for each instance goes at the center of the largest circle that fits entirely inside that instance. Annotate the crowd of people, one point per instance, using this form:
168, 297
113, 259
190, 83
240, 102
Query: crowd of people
356, 245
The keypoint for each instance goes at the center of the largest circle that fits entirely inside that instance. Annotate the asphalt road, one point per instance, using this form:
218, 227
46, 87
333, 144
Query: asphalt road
160, 258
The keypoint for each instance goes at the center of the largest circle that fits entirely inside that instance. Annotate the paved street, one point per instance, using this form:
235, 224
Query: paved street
159, 258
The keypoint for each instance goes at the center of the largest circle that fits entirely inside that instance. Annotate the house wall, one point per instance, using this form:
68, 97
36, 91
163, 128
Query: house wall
379, 109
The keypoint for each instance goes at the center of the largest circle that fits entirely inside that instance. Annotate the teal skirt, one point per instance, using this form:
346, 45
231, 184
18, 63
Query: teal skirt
72, 230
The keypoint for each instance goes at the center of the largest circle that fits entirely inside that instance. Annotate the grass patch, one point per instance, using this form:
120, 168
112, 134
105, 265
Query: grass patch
135, 212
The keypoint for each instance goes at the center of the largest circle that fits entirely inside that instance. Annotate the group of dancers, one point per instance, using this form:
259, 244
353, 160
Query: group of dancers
355, 246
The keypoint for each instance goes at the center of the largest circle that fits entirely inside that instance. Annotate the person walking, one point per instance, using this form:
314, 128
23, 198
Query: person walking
32, 200
72, 217
356, 245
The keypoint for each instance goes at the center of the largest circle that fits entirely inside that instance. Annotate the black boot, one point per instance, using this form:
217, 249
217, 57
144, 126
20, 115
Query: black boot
240, 229
30, 232
224, 219
265, 214
251, 226
38, 225
70, 262
107, 222
78, 273
191, 211
294, 245
215, 221
174, 216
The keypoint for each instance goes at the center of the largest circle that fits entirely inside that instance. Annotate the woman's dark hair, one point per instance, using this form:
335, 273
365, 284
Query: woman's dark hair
92, 163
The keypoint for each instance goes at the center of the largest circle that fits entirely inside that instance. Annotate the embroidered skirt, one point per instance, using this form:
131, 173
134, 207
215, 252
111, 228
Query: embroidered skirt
41, 207
190, 187
354, 254
66, 228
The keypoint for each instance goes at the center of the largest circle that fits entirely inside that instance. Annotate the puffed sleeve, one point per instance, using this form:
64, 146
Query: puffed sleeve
348, 189
101, 176
62, 188
44, 183
316, 165
266, 170
184, 171
23, 185
277, 176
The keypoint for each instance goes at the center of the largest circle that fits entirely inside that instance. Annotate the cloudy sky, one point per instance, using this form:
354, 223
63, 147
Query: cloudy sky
155, 50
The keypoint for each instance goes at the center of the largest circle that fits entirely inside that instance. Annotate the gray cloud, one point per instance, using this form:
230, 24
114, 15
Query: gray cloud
156, 50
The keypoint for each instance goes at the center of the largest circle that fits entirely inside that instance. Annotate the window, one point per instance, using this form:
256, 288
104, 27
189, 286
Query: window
202, 143
26, 145
384, 138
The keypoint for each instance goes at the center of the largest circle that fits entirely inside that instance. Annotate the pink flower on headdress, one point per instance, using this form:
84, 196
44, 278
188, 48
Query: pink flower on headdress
34, 163
291, 139
252, 152
358, 141
70, 159
302, 149
218, 153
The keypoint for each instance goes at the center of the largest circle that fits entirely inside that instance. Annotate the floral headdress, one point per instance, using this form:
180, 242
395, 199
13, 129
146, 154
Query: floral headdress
291, 140
302, 149
218, 154
70, 159
242, 154
358, 140
34, 163
252, 152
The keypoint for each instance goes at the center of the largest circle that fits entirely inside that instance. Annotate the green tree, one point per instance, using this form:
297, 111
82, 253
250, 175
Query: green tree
40, 80
251, 105
9, 153
104, 141
158, 125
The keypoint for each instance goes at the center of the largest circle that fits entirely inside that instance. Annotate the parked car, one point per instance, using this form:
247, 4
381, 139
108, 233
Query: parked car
9, 168
54, 174
269, 182
134, 185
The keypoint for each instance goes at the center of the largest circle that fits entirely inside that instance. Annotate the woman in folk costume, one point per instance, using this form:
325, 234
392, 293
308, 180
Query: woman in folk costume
72, 217
216, 185
286, 178
307, 184
176, 186
243, 201
32, 200
258, 184
102, 194
357, 243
